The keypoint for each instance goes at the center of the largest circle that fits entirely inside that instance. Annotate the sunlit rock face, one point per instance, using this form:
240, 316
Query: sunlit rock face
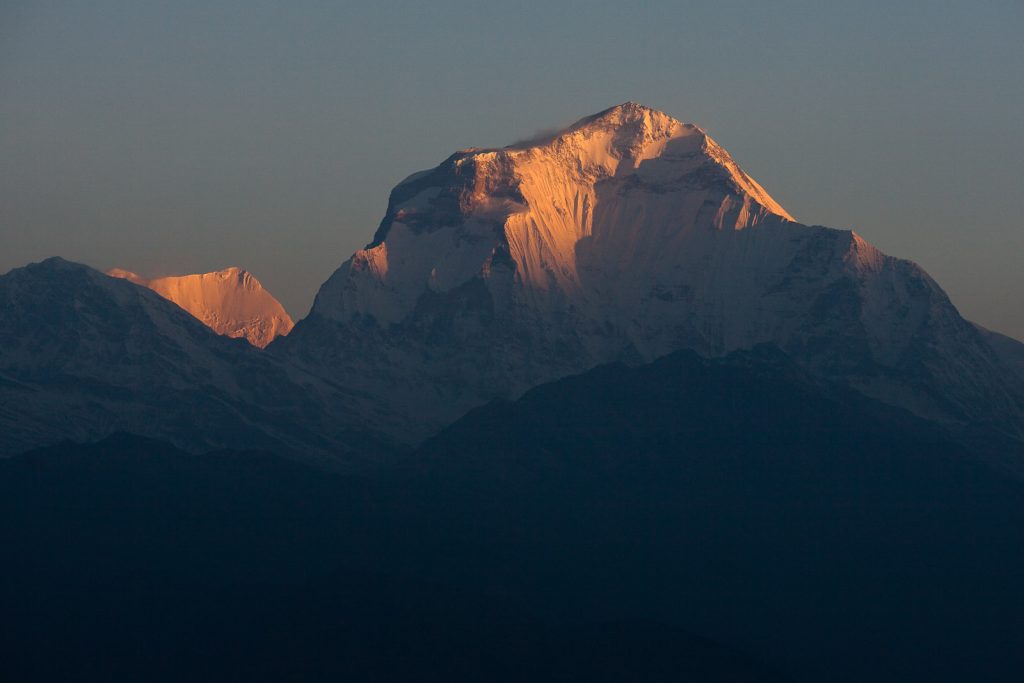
624, 237
561, 223
231, 302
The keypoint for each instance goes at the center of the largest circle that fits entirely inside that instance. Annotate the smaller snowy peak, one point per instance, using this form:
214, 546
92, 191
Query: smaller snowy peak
231, 302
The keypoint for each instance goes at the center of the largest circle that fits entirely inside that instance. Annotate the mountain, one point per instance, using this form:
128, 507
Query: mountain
83, 355
246, 566
593, 526
588, 529
832, 536
231, 302
626, 236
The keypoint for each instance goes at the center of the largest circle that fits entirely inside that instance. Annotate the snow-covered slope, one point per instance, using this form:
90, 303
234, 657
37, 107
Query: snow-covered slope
626, 236
231, 302
84, 355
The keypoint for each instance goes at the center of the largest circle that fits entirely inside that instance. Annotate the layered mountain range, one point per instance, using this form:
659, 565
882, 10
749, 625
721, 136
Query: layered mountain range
625, 237
716, 520
592, 406
231, 302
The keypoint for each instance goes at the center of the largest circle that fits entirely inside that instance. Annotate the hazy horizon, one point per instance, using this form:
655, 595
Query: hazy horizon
188, 139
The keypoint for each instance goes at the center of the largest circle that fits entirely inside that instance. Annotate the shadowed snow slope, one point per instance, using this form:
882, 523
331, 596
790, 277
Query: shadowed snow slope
626, 236
84, 355
230, 302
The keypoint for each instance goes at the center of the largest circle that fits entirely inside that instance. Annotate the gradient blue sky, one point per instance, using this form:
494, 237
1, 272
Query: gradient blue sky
170, 137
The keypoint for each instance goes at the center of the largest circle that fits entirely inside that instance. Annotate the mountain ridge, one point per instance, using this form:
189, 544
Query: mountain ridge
741, 491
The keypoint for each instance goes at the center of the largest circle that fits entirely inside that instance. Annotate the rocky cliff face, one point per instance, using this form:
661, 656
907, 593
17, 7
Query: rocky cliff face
626, 236
231, 302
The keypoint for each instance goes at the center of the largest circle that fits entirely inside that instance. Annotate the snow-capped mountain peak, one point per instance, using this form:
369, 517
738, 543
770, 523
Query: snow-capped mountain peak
627, 235
231, 302
610, 189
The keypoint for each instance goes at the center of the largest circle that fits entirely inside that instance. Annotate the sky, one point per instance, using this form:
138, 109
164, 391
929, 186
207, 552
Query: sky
184, 137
